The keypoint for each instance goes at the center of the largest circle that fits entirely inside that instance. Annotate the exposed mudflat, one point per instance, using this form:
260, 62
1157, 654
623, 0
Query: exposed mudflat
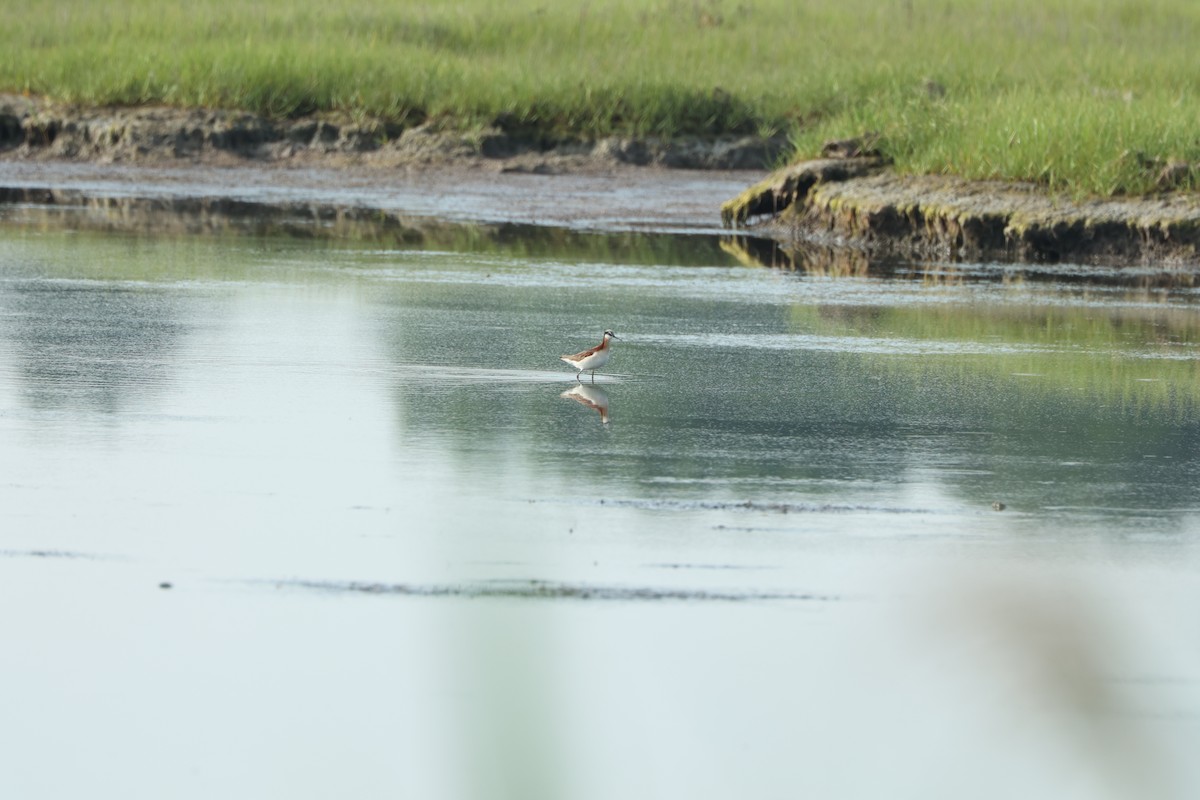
344, 167
213, 197
334, 167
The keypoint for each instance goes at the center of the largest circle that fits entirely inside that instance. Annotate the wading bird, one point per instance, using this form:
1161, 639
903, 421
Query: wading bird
593, 359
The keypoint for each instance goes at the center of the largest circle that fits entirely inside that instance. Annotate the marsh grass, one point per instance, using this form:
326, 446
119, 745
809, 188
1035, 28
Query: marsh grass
1084, 96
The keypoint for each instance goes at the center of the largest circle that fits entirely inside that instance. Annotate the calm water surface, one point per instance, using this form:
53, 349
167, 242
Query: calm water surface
408, 552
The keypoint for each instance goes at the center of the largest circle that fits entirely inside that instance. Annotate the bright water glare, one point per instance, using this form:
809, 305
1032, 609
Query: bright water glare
306, 518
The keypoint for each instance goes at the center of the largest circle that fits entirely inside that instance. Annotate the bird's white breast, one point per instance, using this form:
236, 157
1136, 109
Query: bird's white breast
595, 360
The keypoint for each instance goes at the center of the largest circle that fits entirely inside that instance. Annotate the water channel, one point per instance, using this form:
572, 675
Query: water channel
305, 515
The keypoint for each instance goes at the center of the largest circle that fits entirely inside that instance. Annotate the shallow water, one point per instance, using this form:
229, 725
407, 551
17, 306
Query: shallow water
408, 551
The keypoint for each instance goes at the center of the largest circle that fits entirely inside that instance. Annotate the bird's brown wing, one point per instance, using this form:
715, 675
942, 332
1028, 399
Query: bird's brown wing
585, 353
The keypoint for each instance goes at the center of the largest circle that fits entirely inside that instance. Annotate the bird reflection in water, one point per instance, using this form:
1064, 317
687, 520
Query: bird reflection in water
591, 396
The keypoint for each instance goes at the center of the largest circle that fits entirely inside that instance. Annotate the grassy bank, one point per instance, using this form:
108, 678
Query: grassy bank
1088, 96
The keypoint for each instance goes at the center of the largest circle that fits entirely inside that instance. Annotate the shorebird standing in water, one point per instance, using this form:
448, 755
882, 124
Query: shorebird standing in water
593, 359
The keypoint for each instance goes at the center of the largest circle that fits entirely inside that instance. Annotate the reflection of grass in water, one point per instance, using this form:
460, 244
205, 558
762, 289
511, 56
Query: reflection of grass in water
98, 256
197, 238
1137, 358
1132, 354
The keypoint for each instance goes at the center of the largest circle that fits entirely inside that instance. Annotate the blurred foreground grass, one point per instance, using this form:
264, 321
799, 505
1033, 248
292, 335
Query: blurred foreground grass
1086, 96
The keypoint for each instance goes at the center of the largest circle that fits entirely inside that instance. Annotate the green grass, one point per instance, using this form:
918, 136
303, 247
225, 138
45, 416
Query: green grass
1079, 95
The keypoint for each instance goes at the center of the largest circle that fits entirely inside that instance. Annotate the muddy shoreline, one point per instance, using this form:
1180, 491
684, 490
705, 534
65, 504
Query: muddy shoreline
862, 204
38, 129
826, 210
358, 202
134, 167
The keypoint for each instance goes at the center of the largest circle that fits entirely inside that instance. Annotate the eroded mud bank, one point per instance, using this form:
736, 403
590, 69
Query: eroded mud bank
37, 128
861, 203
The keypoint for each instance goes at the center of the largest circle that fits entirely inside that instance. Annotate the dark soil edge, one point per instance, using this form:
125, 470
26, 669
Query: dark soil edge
38, 128
861, 203
855, 202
